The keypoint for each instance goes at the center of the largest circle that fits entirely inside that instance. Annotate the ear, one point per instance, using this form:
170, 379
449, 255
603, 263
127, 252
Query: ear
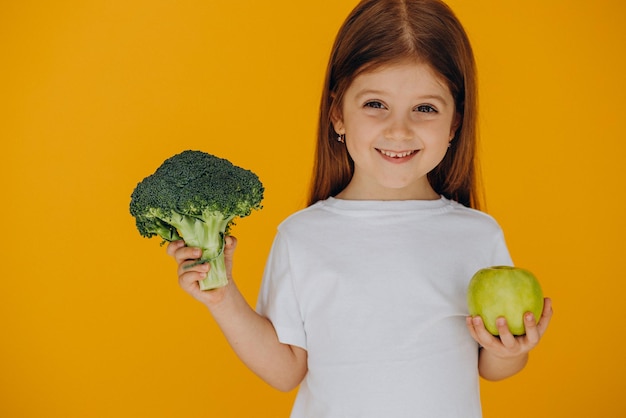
456, 122
336, 118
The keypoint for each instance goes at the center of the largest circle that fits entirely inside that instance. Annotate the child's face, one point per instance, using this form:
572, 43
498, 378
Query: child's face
397, 121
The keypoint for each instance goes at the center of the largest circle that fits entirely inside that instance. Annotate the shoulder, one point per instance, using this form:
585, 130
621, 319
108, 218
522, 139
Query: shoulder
462, 216
308, 217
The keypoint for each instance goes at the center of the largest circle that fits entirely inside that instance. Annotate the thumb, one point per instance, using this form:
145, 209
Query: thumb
230, 244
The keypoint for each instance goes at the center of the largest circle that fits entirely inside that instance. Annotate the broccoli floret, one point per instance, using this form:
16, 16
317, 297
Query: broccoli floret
196, 197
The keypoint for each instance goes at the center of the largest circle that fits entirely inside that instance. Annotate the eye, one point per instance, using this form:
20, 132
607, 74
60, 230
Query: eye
425, 108
374, 104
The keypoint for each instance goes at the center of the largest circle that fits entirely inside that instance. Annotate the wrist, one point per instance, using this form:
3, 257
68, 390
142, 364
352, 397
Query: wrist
221, 301
495, 366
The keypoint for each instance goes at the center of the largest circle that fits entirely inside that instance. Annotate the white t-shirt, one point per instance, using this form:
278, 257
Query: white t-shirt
375, 291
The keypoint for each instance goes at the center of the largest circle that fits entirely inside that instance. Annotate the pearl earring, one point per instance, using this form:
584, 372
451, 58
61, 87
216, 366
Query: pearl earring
341, 138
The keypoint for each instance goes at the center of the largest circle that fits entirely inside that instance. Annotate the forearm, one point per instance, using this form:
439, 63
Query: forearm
254, 340
491, 367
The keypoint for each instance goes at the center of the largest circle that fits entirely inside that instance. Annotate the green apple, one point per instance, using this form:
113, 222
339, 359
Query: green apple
504, 291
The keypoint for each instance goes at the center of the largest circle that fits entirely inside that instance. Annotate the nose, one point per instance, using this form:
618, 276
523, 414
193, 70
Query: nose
399, 127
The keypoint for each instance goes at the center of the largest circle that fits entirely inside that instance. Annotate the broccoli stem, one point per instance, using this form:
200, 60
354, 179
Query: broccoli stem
208, 234
217, 273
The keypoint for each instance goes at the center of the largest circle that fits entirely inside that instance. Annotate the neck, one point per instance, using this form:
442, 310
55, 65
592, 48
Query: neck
356, 193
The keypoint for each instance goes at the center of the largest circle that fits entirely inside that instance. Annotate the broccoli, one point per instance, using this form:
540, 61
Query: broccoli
196, 196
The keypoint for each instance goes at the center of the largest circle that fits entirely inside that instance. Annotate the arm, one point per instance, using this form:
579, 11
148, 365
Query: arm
503, 357
252, 336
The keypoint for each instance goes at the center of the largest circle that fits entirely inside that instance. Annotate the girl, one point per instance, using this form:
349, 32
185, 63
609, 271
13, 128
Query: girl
363, 298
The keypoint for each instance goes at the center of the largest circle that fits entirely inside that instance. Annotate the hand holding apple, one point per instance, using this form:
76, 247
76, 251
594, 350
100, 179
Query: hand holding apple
502, 354
504, 291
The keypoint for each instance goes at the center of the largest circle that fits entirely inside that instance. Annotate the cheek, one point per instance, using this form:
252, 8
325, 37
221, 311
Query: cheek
356, 136
352, 149
439, 143
439, 136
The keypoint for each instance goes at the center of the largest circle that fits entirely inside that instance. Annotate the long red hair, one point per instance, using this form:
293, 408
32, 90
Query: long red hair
379, 32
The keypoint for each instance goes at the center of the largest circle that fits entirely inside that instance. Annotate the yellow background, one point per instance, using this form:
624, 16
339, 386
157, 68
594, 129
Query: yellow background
96, 94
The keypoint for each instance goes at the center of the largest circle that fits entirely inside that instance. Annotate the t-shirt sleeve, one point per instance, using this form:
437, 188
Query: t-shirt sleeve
501, 255
277, 299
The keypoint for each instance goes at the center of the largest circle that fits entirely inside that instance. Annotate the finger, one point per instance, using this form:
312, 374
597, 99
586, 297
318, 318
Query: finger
230, 243
507, 338
173, 246
188, 279
229, 250
532, 331
546, 316
470, 327
183, 254
484, 337
191, 266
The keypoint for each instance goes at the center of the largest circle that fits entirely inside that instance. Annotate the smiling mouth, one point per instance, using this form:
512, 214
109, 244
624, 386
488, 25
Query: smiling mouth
393, 154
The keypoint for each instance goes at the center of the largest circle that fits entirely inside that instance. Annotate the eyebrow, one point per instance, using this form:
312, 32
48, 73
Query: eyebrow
433, 97
437, 97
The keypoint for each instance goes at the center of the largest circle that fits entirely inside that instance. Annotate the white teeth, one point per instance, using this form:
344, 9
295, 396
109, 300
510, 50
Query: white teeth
396, 154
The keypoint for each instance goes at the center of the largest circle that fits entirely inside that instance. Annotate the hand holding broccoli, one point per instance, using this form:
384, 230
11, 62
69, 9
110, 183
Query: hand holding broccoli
190, 273
195, 196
